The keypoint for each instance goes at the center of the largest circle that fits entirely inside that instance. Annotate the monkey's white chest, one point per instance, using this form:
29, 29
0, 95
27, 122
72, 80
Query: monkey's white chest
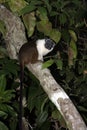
42, 50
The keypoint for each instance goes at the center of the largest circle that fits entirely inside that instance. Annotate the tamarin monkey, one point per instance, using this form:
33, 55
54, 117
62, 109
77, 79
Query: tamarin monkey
32, 53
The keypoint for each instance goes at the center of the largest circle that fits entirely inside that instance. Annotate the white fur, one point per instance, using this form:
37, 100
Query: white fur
42, 51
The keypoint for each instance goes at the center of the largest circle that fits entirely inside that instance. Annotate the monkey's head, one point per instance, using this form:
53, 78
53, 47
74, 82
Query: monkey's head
49, 44
44, 46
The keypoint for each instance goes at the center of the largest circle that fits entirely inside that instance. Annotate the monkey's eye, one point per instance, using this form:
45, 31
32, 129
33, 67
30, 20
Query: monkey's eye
49, 44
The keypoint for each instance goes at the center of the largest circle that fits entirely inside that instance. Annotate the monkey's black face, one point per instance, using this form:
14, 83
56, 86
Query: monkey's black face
49, 44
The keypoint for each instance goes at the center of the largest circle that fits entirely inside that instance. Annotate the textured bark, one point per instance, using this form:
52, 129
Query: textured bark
15, 38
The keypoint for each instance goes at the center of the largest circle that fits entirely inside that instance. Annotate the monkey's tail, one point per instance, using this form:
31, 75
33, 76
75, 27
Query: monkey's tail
21, 96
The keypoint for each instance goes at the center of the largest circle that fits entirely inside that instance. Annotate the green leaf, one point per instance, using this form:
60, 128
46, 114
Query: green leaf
55, 35
3, 114
34, 94
73, 35
10, 67
39, 105
42, 117
9, 94
31, 104
83, 109
6, 96
43, 104
47, 63
13, 123
44, 26
80, 24
63, 18
35, 2
30, 22
27, 9
3, 126
56, 115
8, 109
17, 5
2, 27
74, 48
2, 83
3, 52
48, 6
42, 13
65, 35
53, 13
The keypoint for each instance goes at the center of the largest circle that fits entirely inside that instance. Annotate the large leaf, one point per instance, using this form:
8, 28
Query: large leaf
65, 35
6, 96
57, 116
54, 13
73, 47
31, 98
36, 2
44, 26
48, 6
81, 108
42, 117
3, 52
73, 35
27, 9
62, 18
9, 67
42, 13
55, 35
17, 5
9, 94
3, 126
13, 123
47, 63
3, 114
8, 109
30, 22
72, 52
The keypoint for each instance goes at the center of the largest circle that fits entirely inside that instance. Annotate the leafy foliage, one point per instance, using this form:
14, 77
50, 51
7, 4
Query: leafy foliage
7, 93
65, 23
3, 126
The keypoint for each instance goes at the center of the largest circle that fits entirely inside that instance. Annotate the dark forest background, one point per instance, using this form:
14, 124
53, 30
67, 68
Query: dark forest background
65, 22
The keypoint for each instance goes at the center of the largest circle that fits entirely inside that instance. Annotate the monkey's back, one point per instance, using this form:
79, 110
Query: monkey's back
28, 54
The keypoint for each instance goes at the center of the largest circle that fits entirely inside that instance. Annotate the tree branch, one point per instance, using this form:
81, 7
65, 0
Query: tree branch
15, 38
